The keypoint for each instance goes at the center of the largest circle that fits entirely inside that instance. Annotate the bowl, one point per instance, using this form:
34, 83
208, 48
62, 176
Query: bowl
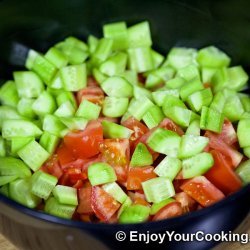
38, 25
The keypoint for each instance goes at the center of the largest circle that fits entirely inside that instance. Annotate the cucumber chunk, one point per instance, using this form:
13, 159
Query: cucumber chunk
20, 192
20, 128
34, 155
197, 165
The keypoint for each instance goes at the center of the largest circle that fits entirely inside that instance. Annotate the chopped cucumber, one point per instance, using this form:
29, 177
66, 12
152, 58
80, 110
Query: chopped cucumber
141, 156
169, 167
158, 189
134, 214
113, 130
66, 195
101, 173
42, 184
19, 191
33, 154
164, 141
19, 128
192, 145
197, 165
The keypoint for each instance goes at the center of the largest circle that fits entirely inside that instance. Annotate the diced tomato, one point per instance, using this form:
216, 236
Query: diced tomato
216, 143
187, 203
207, 85
179, 176
177, 184
103, 204
113, 219
84, 195
85, 144
135, 125
64, 180
64, 154
75, 175
138, 198
202, 190
228, 134
141, 78
52, 166
85, 218
78, 164
89, 161
91, 82
79, 184
138, 175
170, 125
222, 175
93, 94
116, 152
171, 210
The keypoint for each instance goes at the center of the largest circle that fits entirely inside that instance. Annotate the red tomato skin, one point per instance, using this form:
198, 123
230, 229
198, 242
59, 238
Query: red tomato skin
219, 145
222, 174
84, 195
138, 175
116, 152
171, 210
91, 82
93, 94
135, 125
138, 198
188, 204
170, 125
65, 155
202, 190
52, 166
103, 204
228, 133
85, 144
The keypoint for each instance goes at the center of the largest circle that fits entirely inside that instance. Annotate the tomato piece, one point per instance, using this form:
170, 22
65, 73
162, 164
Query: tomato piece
87, 162
64, 180
136, 126
93, 94
207, 85
138, 175
52, 166
78, 164
85, 143
64, 155
202, 190
216, 143
75, 175
141, 78
171, 210
103, 204
116, 152
170, 125
79, 184
228, 134
177, 184
138, 198
84, 195
91, 82
222, 175
187, 203
85, 218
